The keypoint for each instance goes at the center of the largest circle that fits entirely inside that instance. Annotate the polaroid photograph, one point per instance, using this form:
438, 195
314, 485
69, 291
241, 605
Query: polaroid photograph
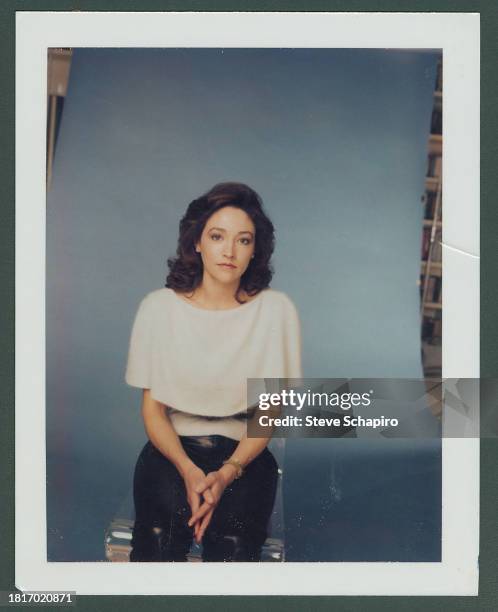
213, 211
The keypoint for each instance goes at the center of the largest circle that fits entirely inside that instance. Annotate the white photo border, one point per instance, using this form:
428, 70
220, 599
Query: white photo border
458, 35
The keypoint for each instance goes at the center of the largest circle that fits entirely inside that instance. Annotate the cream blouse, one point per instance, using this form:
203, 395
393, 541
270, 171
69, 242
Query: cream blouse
197, 361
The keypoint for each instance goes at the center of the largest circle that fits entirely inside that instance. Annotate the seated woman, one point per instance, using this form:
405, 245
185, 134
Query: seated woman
193, 346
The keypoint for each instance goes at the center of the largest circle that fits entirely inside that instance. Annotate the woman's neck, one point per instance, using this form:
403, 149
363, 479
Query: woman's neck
213, 295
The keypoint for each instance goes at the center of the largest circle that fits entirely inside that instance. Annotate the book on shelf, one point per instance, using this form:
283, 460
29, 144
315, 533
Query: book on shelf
436, 247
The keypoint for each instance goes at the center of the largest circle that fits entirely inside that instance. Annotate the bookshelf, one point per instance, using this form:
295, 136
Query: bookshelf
431, 272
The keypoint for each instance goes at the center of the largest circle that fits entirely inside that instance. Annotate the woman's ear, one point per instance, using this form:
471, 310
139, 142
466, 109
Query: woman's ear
197, 248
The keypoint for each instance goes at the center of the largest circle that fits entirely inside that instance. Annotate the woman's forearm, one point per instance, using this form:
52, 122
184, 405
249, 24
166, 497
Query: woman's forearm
162, 434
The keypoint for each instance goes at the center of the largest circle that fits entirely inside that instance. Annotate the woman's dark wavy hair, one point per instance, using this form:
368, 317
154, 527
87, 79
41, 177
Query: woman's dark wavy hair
185, 270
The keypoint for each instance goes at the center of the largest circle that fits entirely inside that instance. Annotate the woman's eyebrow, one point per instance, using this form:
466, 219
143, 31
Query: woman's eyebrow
221, 229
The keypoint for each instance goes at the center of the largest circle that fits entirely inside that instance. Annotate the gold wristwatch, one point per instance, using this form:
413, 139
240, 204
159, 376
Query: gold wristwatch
236, 464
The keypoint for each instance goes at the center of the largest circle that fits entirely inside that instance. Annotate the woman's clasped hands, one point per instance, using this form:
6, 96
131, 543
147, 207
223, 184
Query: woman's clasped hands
207, 489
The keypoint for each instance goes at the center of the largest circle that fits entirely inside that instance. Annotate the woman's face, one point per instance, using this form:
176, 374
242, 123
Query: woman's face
227, 244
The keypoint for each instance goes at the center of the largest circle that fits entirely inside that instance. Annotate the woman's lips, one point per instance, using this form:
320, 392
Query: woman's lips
224, 265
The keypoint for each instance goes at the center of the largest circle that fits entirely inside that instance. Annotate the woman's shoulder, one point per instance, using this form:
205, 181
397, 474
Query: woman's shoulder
276, 295
278, 299
157, 297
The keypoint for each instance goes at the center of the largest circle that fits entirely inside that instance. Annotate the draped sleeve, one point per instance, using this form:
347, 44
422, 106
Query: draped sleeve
292, 342
139, 365
290, 372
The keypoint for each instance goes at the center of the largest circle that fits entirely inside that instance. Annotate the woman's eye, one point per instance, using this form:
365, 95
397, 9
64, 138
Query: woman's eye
215, 236
246, 241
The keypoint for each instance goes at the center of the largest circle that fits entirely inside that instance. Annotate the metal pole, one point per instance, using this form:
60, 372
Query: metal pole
51, 138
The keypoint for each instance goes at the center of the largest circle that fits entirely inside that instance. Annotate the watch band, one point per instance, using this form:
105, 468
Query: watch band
236, 464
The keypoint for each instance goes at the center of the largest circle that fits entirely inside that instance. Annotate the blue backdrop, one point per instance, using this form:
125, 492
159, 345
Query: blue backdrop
335, 142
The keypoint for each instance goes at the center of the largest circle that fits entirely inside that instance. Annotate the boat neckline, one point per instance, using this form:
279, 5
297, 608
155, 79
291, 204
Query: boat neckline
218, 310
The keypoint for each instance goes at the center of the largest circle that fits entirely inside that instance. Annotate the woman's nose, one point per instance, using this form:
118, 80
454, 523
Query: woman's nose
228, 249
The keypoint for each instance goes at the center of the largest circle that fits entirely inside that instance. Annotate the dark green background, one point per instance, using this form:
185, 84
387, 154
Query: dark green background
488, 597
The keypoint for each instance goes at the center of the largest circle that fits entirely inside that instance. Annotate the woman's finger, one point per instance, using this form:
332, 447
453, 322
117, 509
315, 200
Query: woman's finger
194, 501
204, 525
206, 492
200, 513
205, 483
209, 497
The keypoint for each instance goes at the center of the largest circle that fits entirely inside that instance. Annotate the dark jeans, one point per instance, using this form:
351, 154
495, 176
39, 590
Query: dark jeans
238, 527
